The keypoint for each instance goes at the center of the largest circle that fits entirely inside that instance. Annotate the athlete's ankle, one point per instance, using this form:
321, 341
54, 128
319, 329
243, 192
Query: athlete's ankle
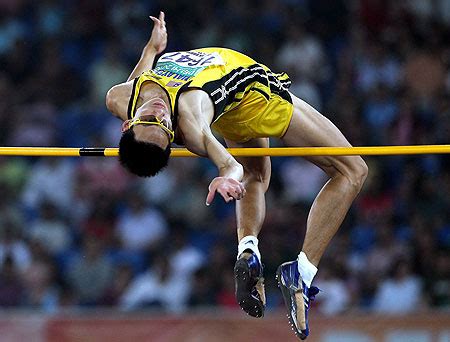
306, 269
247, 244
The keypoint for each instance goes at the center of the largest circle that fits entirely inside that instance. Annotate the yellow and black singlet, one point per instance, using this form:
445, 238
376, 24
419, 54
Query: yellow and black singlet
250, 101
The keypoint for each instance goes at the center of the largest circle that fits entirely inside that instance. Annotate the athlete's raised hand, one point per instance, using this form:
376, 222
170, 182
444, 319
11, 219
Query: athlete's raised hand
158, 40
228, 188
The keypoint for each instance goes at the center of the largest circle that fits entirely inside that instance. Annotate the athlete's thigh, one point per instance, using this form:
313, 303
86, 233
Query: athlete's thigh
258, 167
310, 128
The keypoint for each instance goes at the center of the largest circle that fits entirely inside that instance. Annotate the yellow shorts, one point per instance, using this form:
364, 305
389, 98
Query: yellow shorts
255, 117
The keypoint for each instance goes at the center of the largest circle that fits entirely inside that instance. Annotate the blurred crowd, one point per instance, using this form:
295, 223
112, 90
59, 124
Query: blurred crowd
82, 232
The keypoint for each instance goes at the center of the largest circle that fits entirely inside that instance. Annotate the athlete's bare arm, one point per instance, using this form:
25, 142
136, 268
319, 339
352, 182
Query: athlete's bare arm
118, 96
156, 45
195, 116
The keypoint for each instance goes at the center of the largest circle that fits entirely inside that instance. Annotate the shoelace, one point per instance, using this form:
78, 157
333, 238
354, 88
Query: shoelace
312, 292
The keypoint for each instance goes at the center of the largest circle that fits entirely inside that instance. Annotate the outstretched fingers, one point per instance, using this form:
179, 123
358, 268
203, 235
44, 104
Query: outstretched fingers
160, 20
158, 39
230, 189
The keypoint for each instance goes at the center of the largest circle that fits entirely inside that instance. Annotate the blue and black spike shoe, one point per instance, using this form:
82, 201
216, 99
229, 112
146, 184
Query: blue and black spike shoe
249, 282
297, 297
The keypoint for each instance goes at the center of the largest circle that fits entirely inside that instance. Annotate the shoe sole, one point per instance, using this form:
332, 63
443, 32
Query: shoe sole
288, 296
245, 283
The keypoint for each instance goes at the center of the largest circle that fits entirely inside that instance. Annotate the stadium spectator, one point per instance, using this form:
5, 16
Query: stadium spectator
50, 230
160, 287
90, 272
402, 285
140, 227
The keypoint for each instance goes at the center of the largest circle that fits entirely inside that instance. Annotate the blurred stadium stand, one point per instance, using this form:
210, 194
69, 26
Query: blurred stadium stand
82, 234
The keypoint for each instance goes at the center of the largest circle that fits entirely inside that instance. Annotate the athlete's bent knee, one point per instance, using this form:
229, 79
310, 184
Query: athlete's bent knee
358, 172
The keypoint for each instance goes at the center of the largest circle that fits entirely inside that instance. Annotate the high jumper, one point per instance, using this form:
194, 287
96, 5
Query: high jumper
187, 95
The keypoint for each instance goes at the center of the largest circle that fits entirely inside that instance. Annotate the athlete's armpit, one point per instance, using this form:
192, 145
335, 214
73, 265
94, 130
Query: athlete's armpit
117, 99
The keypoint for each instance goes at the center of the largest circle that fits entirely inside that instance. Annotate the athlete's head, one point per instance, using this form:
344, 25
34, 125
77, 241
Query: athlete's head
144, 147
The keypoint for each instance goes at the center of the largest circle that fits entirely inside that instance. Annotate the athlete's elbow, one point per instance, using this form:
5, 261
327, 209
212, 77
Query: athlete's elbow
115, 102
111, 100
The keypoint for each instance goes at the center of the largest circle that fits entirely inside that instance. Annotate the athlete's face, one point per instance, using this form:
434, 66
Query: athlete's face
152, 122
155, 109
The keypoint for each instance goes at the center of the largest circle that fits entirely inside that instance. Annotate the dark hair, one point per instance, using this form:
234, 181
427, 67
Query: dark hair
142, 158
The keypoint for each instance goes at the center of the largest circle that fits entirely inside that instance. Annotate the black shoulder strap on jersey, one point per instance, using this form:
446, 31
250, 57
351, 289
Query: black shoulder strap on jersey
130, 102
